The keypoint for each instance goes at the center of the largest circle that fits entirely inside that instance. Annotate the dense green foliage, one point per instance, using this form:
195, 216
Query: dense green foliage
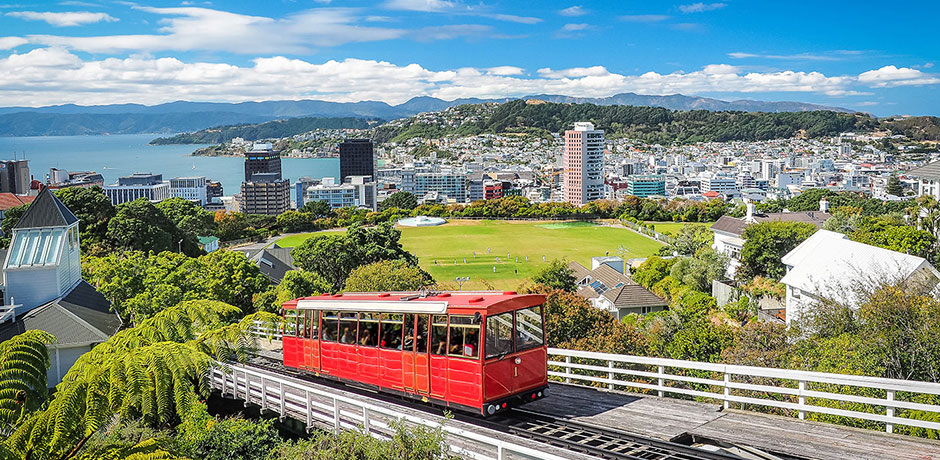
649, 124
140, 285
915, 128
140, 226
556, 275
23, 387
766, 243
701, 269
296, 283
387, 276
401, 200
688, 240
334, 256
267, 130
809, 201
202, 436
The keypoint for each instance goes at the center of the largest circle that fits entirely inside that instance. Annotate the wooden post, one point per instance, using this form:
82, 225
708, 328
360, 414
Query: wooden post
889, 427
662, 371
802, 399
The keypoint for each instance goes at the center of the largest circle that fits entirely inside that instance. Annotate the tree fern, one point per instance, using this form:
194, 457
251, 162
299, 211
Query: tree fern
149, 449
24, 360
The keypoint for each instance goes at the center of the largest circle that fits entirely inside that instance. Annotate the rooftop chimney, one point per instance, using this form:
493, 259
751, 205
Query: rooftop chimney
749, 217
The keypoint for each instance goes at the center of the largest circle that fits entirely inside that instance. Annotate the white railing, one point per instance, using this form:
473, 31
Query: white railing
311, 404
793, 390
800, 392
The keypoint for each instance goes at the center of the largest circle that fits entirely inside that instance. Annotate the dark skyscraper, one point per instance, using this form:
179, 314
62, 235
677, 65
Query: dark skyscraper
262, 159
14, 177
356, 159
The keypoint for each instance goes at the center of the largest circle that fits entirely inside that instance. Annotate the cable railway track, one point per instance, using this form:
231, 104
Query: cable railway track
577, 437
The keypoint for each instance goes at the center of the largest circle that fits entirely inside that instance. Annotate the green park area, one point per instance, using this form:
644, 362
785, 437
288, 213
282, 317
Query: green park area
674, 227
517, 250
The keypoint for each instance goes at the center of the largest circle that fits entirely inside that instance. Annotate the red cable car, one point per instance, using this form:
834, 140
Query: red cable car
481, 352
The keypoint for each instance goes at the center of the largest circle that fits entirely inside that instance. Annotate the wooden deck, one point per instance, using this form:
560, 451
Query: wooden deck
668, 419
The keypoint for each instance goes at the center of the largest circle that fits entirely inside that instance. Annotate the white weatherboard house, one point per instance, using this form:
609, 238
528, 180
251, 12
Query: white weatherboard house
44, 290
828, 265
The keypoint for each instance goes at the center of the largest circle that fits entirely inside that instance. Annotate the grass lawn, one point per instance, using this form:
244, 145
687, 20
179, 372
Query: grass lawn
439, 247
673, 227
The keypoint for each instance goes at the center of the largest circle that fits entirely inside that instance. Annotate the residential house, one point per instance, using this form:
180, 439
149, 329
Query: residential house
829, 266
611, 290
729, 231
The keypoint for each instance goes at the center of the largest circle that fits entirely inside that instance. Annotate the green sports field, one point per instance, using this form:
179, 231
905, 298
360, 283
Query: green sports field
476, 245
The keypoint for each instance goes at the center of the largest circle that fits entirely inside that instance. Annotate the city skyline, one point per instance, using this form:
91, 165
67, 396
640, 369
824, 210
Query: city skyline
87, 52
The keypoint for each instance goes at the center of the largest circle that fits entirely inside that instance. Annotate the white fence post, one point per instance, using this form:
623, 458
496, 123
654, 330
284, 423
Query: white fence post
610, 375
264, 395
802, 399
365, 420
661, 371
568, 368
727, 390
889, 427
336, 422
283, 400
309, 411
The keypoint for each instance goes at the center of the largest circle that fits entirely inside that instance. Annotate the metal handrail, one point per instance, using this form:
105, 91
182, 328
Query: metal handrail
291, 397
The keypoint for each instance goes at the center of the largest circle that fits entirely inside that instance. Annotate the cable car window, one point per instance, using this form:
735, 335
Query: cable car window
313, 324
330, 326
290, 323
304, 324
421, 340
464, 337
499, 335
529, 330
391, 330
368, 329
409, 327
439, 335
347, 328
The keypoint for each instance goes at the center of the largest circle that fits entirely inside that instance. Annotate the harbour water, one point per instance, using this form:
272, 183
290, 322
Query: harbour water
119, 155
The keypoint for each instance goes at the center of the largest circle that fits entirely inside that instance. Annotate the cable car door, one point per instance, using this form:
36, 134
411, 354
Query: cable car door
415, 364
311, 341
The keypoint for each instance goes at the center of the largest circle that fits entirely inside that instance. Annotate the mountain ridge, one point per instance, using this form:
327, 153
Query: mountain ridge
180, 116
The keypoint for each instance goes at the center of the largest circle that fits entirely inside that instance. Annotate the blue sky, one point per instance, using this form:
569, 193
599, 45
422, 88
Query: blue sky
869, 57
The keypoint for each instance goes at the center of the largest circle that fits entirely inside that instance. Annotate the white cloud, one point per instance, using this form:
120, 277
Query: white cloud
54, 75
576, 10
701, 7
788, 57
72, 18
454, 7
450, 32
889, 76
574, 27
644, 18
7, 43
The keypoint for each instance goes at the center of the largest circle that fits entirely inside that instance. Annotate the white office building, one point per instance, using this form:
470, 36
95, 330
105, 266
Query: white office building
189, 188
139, 185
336, 195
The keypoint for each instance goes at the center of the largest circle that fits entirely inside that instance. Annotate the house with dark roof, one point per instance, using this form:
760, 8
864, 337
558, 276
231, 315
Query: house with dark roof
611, 290
43, 287
729, 231
273, 261
929, 178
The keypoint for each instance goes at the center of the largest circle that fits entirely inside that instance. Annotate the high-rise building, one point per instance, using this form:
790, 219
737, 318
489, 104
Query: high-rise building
644, 186
14, 177
584, 164
356, 158
189, 188
262, 159
138, 185
300, 190
265, 193
214, 191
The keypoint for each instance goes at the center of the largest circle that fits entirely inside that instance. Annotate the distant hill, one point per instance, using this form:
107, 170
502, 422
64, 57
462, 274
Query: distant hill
266, 130
183, 116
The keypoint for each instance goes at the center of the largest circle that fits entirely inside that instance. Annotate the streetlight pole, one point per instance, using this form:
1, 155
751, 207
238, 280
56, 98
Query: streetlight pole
460, 280
180, 244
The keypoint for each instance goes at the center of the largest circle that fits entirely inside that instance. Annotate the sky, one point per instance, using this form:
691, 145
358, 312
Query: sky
867, 56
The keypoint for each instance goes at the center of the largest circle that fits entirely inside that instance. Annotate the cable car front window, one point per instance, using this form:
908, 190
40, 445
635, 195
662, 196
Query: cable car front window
499, 335
330, 326
529, 329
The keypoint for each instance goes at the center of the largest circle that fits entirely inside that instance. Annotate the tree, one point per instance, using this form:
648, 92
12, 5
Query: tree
901, 238
202, 436
335, 256
652, 270
387, 276
188, 216
317, 208
689, 240
766, 243
93, 210
400, 200
295, 284
139, 225
894, 186
556, 275
10, 218
23, 363
699, 271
